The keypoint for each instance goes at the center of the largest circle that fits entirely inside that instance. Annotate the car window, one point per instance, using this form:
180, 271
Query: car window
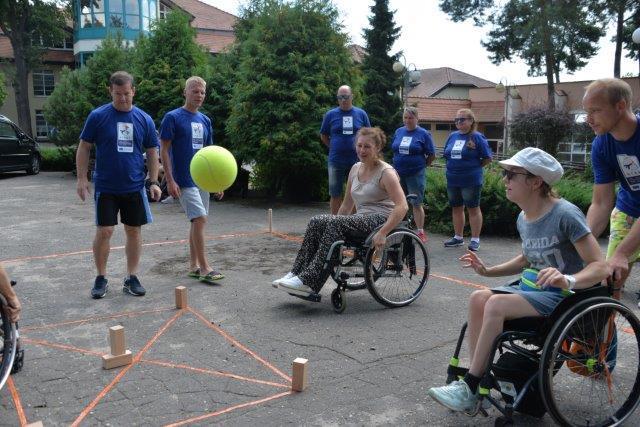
7, 131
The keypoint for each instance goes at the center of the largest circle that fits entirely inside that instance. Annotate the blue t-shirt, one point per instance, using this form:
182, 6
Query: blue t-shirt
188, 132
464, 154
411, 149
342, 126
120, 139
619, 161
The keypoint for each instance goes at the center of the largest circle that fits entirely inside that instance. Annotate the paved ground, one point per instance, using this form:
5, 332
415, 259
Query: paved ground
227, 359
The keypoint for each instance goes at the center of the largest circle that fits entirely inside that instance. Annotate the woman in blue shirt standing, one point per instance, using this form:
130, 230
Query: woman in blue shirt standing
467, 152
413, 151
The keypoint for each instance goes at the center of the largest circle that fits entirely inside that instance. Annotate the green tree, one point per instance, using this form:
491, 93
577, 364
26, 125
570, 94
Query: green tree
30, 25
3, 90
542, 128
163, 61
292, 56
550, 36
220, 83
381, 83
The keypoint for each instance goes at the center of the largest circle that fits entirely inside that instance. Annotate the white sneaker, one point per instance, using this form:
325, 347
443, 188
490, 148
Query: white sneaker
276, 282
294, 285
168, 200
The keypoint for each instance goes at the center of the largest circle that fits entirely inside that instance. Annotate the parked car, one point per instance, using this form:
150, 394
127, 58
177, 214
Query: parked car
18, 151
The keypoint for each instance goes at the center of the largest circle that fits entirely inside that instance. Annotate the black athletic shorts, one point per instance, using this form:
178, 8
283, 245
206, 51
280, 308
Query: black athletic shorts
133, 207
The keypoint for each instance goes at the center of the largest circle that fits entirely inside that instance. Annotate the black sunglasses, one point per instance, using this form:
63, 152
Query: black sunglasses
460, 119
510, 174
343, 97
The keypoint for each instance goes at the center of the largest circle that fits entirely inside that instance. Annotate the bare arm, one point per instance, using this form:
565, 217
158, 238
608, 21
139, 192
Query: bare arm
14, 307
513, 266
485, 162
346, 208
391, 184
172, 187
325, 139
82, 168
153, 165
602, 203
430, 158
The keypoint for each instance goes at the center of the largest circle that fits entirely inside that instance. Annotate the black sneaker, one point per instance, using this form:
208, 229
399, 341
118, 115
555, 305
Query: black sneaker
100, 287
132, 286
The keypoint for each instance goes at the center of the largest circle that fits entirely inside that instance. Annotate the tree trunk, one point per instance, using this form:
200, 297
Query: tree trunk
548, 54
619, 35
21, 88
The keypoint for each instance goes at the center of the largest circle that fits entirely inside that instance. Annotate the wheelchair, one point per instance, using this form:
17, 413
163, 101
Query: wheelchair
581, 364
395, 276
11, 356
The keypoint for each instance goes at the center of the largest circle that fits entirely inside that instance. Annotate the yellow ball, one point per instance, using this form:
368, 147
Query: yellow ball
213, 168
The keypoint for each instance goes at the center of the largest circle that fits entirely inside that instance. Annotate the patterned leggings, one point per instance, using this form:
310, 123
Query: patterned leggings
321, 232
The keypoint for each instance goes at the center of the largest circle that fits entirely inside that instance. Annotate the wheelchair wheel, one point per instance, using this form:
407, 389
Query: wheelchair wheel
350, 270
8, 344
590, 367
338, 300
397, 274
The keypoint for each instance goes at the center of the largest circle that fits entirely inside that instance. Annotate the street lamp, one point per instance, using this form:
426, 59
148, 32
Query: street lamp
509, 92
636, 39
410, 76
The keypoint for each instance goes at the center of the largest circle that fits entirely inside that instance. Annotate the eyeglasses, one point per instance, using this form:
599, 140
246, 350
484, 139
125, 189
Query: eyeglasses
343, 97
460, 119
510, 174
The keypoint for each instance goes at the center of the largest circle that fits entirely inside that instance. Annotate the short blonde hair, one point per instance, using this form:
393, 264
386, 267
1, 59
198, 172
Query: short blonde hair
194, 80
411, 110
378, 137
469, 113
616, 90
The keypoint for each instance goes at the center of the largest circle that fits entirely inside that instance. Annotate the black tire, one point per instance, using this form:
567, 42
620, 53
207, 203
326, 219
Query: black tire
9, 337
34, 165
338, 300
398, 276
592, 383
349, 261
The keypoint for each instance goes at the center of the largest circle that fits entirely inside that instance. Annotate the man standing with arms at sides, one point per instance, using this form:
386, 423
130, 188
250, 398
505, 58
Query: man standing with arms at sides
615, 155
338, 131
183, 132
120, 133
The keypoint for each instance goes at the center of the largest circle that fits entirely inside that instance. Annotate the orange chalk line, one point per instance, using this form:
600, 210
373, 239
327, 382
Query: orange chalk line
213, 372
229, 409
61, 346
161, 243
236, 343
22, 418
121, 374
95, 319
290, 238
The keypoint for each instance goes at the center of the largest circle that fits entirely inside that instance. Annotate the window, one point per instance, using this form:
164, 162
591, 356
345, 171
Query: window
92, 14
445, 126
7, 131
43, 83
426, 126
116, 17
164, 10
133, 14
43, 130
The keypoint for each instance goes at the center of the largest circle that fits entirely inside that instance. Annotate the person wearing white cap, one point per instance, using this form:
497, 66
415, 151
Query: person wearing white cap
615, 155
559, 254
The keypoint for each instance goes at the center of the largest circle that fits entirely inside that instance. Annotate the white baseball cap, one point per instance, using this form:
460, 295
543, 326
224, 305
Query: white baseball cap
536, 162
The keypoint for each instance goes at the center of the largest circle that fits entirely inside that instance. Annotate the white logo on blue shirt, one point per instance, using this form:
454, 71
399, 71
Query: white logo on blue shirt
347, 125
125, 137
405, 144
630, 168
197, 135
456, 151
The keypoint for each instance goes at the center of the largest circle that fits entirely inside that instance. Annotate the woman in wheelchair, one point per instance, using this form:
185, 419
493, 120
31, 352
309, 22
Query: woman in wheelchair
559, 254
374, 188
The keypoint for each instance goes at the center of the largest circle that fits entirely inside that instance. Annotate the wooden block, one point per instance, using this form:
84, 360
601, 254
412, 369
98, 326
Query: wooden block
299, 377
110, 361
270, 219
181, 297
36, 424
116, 340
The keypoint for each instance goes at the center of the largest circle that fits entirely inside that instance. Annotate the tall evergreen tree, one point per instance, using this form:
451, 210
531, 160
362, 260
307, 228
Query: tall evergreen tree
550, 36
292, 57
381, 101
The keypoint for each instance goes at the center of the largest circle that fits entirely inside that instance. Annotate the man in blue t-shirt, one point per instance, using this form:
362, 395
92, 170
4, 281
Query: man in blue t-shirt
120, 133
615, 155
338, 132
183, 132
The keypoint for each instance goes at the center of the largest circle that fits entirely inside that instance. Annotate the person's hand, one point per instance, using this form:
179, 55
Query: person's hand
619, 266
155, 192
174, 189
379, 240
218, 196
551, 277
83, 189
471, 260
13, 309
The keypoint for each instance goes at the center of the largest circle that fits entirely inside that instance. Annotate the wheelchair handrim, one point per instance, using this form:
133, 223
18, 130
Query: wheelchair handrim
9, 346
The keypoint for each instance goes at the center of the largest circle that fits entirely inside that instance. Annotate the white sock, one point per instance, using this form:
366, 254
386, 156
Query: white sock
457, 237
420, 230
475, 239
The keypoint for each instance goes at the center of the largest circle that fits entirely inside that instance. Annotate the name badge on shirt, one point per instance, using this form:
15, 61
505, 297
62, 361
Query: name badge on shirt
630, 168
456, 151
405, 144
197, 135
347, 125
125, 137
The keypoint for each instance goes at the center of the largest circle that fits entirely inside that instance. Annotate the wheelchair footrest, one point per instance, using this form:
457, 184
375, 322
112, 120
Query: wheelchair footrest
311, 297
18, 362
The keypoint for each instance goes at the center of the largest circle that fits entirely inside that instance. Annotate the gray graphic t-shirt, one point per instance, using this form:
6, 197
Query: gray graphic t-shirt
548, 241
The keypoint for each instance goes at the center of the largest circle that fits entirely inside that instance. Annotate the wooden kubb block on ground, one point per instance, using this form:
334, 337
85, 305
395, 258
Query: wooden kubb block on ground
299, 377
181, 297
119, 355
